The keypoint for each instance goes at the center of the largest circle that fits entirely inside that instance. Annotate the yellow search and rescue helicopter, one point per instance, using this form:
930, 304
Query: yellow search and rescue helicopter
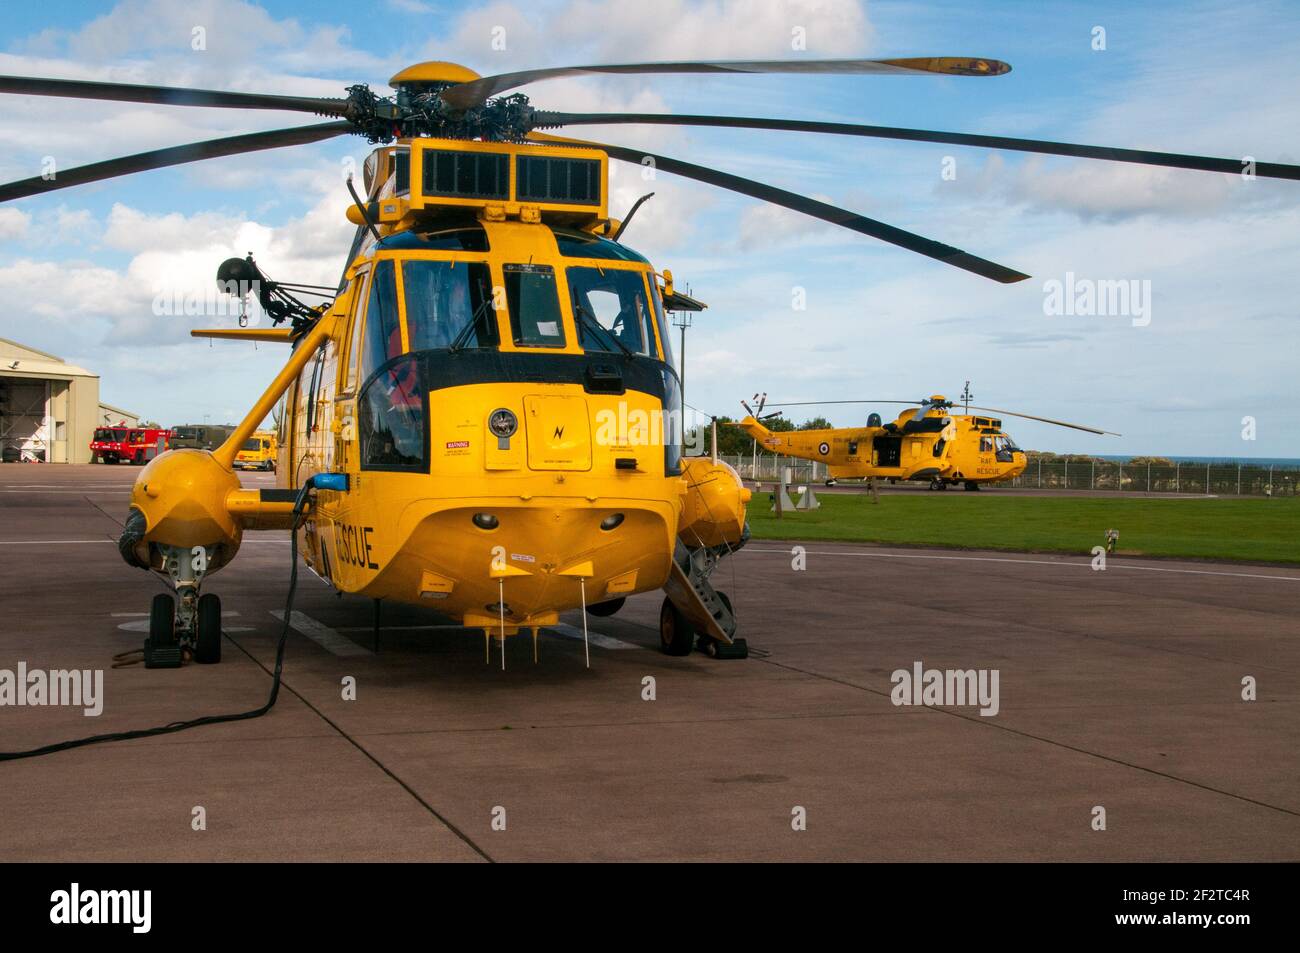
928, 443
483, 417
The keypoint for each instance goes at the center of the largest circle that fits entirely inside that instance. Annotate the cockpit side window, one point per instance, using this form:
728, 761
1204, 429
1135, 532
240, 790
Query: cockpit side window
661, 320
383, 332
534, 305
614, 299
449, 302
354, 344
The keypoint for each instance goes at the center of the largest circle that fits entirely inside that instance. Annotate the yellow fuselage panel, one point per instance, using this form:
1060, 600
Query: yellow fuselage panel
559, 432
412, 537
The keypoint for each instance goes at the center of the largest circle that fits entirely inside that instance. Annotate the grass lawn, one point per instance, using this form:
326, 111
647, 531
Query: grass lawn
1253, 529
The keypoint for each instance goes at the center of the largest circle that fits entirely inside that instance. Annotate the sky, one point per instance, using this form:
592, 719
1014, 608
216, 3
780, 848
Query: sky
798, 309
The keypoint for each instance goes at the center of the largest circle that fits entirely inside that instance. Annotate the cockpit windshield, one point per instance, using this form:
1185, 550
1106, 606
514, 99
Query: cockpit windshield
534, 306
1005, 447
449, 303
615, 300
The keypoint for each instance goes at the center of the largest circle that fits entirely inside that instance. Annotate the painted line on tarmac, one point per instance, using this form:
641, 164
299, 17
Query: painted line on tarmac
142, 625
604, 641
563, 629
52, 542
402, 628
81, 542
93, 485
133, 615
327, 638
95, 489
1034, 562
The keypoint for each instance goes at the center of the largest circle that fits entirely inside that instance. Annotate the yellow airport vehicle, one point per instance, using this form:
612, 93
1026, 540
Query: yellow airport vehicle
929, 443
483, 416
258, 452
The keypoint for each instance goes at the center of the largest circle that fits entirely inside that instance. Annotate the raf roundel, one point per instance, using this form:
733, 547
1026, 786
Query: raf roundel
823, 448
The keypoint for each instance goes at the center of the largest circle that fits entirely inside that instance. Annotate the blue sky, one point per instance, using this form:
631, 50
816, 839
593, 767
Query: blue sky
80, 269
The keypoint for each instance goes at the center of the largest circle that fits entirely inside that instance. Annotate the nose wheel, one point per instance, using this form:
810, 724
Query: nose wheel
188, 627
186, 624
207, 630
170, 638
163, 648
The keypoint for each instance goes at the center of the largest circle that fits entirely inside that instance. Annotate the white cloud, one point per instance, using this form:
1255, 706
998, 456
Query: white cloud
13, 223
623, 31
719, 29
1112, 191
763, 224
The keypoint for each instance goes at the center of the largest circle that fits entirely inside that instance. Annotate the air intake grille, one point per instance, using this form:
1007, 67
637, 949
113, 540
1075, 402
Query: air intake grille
466, 175
554, 179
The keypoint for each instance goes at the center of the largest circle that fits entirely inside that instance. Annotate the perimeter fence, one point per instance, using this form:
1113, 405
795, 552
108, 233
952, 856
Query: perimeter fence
1232, 479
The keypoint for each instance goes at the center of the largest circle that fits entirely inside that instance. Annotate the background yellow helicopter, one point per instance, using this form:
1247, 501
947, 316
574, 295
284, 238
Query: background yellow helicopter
483, 416
929, 443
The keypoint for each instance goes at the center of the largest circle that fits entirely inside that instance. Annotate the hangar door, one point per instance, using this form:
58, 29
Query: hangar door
24, 419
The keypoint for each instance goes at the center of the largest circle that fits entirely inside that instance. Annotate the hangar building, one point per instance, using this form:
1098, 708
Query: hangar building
49, 409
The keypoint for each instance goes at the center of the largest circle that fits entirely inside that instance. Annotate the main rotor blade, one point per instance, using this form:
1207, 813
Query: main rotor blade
1274, 170
173, 155
476, 92
1046, 420
168, 95
991, 410
827, 213
819, 403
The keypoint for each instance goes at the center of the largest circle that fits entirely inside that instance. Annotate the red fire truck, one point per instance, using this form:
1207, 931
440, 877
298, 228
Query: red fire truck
136, 444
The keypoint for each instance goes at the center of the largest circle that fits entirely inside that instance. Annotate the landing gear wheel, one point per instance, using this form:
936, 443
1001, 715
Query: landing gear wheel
163, 649
676, 637
608, 607
711, 647
937, 484
207, 623
972, 485
162, 620
831, 482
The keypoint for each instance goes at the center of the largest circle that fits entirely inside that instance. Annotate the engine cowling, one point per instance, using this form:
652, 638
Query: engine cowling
181, 497
713, 507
